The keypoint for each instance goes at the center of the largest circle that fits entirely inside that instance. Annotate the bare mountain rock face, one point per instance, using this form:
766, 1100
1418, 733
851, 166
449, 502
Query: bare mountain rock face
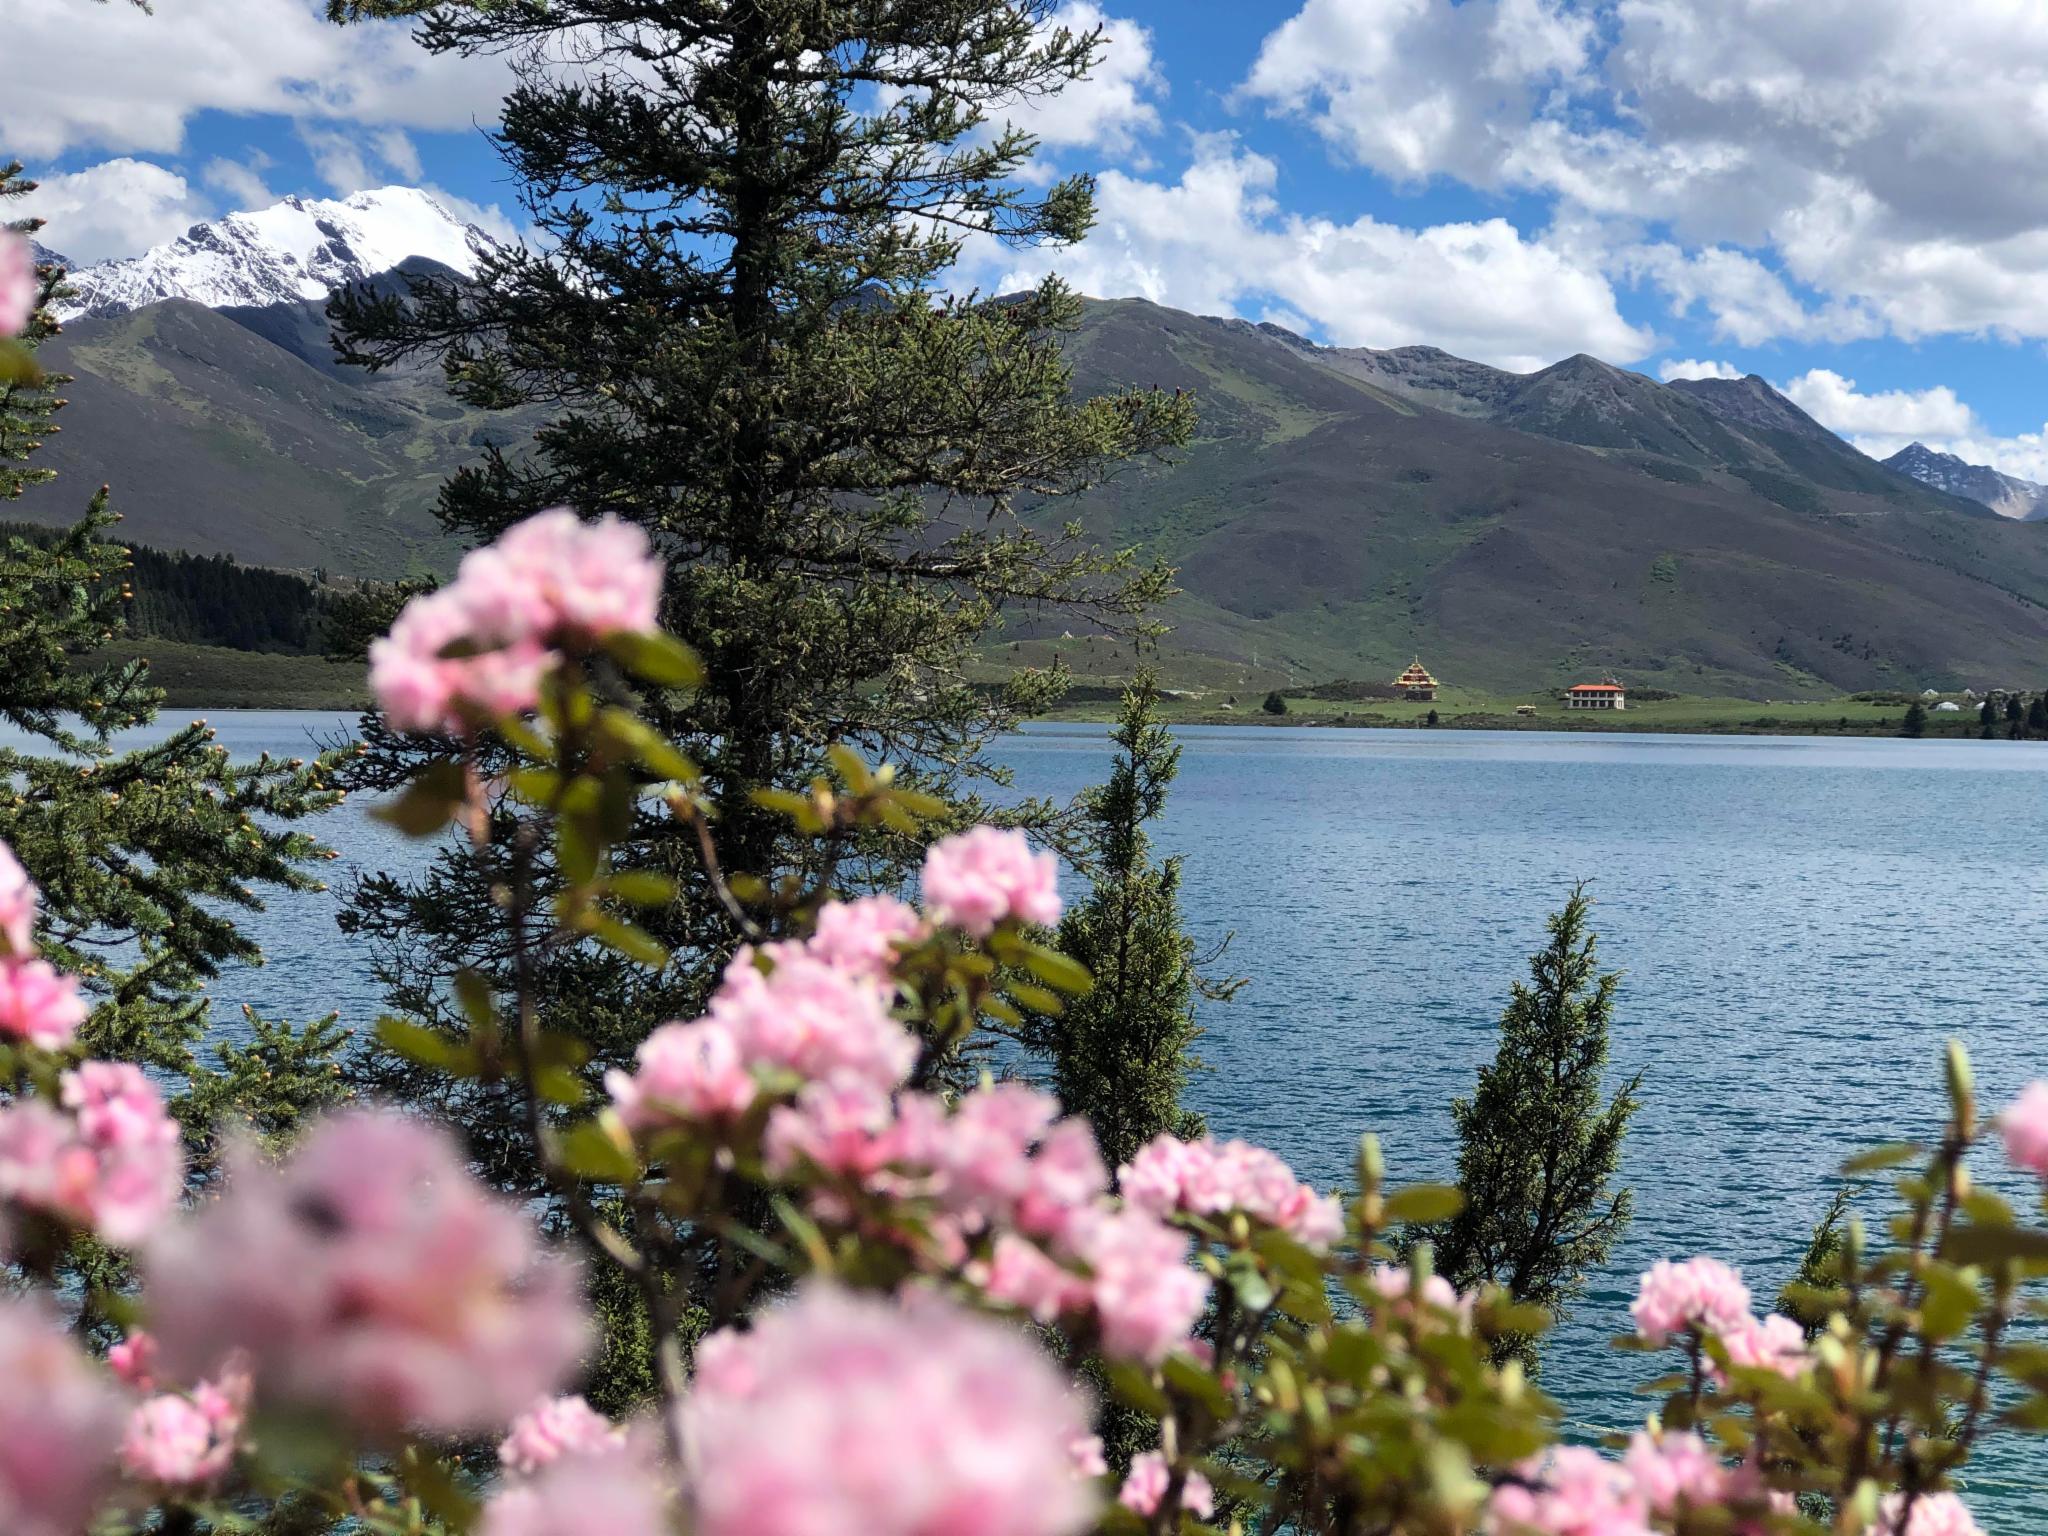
2007, 495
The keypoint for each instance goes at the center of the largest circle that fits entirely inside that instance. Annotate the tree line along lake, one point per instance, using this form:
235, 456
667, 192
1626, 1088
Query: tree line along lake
1800, 924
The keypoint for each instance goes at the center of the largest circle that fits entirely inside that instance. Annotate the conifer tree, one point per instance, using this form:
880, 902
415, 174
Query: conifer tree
1121, 1055
1539, 1141
740, 330
142, 852
1915, 723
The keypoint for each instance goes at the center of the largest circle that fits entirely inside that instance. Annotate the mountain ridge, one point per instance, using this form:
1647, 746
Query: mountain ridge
1339, 510
296, 250
2006, 495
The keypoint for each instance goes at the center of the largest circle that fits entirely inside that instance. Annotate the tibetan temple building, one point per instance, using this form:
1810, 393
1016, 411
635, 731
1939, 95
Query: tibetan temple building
1416, 683
1607, 695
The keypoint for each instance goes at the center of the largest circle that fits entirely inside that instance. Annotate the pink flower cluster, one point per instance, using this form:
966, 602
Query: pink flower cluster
581, 1496
1573, 1491
18, 286
108, 1161
60, 1424
1147, 1484
2025, 1128
181, 1442
371, 1275
1700, 1294
1200, 1177
911, 1418
1396, 1282
1932, 1514
37, 1004
986, 876
554, 1428
482, 644
803, 1015
1773, 1343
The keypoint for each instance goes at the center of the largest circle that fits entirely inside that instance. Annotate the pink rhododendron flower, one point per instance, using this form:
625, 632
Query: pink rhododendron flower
112, 1165
1395, 1282
134, 1360
1086, 1451
845, 1127
421, 689
37, 1004
1932, 1514
844, 1413
860, 937
18, 286
186, 1442
1571, 1492
1774, 1343
1206, 1179
1675, 1468
1145, 1297
18, 898
1702, 1294
558, 1427
986, 876
2025, 1127
580, 1495
60, 1425
812, 1019
1147, 1485
1021, 1274
549, 581
1064, 1177
372, 1275
685, 1072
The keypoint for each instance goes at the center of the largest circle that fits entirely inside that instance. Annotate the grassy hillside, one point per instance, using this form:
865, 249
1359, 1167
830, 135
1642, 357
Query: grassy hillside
1339, 512
1326, 524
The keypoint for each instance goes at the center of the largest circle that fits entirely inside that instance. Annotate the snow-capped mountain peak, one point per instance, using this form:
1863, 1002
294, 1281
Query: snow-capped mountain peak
301, 248
2007, 495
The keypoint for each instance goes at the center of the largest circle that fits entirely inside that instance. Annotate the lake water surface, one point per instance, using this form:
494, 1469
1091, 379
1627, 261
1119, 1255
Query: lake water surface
1795, 919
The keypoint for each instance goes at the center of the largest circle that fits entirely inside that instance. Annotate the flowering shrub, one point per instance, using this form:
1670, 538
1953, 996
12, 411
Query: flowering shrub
874, 1282
18, 286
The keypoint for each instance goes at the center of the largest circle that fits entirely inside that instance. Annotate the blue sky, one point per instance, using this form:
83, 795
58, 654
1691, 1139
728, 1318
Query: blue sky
1849, 197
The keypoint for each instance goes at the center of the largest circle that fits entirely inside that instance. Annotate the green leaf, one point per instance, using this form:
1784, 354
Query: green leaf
641, 888
1877, 1159
1977, 1244
1423, 1203
558, 1085
473, 993
625, 939
649, 747
589, 1151
1951, 1301
851, 766
660, 659
576, 849
1058, 971
427, 1047
424, 806
1037, 999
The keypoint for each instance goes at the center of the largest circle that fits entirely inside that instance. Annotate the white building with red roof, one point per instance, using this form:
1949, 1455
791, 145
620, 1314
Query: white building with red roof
1607, 695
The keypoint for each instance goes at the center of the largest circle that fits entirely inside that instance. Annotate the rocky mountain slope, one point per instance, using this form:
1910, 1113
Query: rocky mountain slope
298, 250
2007, 495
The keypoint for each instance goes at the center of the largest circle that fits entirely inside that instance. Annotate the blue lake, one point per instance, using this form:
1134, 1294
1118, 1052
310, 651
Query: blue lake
1797, 920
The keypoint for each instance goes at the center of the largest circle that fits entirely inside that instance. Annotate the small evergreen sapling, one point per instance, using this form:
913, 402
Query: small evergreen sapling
1539, 1140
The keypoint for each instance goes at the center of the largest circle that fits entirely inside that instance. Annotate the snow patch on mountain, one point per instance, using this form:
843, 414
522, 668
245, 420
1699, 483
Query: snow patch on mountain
299, 249
2007, 495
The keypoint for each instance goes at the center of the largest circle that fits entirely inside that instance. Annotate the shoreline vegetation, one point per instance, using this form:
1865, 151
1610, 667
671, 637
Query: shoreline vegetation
216, 677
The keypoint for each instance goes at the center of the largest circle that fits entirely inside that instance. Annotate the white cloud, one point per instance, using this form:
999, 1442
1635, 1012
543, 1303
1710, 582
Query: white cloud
125, 80
113, 209
1883, 422
1887, 157
1217, 242
1837, 404
1115, 105
240, 181
1696, 368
